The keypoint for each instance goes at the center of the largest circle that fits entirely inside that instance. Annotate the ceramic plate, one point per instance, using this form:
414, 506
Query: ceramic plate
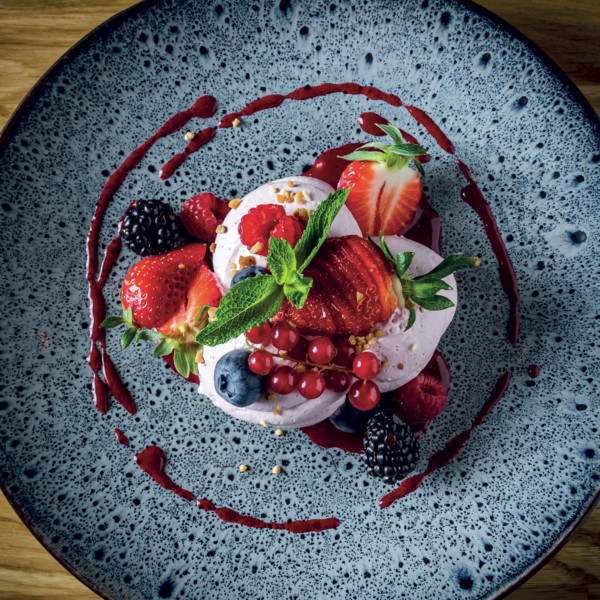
475, 527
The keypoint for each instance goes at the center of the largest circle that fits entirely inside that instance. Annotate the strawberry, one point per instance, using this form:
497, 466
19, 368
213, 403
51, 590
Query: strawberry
202, 214
262, 222
384, 190
166, 298
351, 291
420, 400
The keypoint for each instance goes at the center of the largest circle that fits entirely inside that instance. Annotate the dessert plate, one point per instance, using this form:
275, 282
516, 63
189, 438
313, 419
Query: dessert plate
476, 527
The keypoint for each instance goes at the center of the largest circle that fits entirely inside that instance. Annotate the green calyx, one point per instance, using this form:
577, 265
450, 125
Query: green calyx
423, 290
255, 300
397, 155
183, 344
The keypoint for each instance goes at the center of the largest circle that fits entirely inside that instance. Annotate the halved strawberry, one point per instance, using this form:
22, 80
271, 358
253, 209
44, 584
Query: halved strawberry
351, 291
202, 214
384, 190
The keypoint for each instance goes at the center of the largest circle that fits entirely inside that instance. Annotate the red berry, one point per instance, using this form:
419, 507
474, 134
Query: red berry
262, 222
284, 336
366, 365
260, 362
260, 335
420, 400
311, 385
300, 350
321, 350
282, 380
345, 353
364, 395
202, 214
337, 381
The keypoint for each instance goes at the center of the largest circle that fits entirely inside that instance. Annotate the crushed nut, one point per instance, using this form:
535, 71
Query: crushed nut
276, 469
299, 198
233, 266
414, 346
189, 136
360, 297
235, 203
300, 369
352, 340
369, 336
273, 189
181, 266
257, 248
385, 364
290, 184
378, 333
283, 353
278, 410
247, 261
199, 357
263, 422
271, 397
243, 468
477, 262
306, 195
212, 247
279, 432
236, 122
221, 229
400, 366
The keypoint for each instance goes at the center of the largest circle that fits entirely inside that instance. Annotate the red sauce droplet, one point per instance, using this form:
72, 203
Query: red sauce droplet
329, 166
368, 122
441, 458
121, 437
533, 371
231, 516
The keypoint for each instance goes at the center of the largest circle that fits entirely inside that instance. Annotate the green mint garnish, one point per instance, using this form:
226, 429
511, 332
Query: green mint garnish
423, 290
398, 155
254, 300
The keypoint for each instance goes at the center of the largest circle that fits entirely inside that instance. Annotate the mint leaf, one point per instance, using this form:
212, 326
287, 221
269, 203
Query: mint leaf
281, 259
111, 322
318, 227
434, 303
128, 337
296, 288
163, 348
247, 304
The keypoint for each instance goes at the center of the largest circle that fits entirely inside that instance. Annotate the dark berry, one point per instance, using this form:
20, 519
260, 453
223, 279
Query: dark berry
235, 382
350, 419
247, 272
151, 227
391, 449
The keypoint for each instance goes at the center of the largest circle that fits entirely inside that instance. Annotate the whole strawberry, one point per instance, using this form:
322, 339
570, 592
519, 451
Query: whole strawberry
384, 190
420, 400
202, 214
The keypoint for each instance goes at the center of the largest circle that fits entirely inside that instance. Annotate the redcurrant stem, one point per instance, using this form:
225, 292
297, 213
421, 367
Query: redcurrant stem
304, 362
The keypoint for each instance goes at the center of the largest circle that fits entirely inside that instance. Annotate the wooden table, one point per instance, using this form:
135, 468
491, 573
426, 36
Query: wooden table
34, 33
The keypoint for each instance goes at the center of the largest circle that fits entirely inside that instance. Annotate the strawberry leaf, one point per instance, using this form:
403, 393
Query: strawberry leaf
128, 337
318, 227
249, 303
147, 334
434, 303
392, 131
111, 322
180, 361
402, 262
163, 348
412, 316
201, 314
407, 150
427, 289
364, 155
451, 264
419, 166
296, 288
281, 259
384, 247
128, 315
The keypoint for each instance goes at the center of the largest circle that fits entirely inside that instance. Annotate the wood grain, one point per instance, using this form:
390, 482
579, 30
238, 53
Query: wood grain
34, 33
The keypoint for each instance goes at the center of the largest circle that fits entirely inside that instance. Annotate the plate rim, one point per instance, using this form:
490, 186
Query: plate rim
590, 114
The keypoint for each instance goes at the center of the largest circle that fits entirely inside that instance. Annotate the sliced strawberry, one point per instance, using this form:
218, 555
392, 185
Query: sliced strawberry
420, 400
265, 221
202, 214
384, 191
351, 291
155, 287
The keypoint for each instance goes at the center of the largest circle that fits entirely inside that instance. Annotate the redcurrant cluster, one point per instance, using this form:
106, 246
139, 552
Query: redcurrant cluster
322, 363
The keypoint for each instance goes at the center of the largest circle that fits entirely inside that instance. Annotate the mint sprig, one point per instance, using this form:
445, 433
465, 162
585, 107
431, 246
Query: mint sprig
254, 300
423, 290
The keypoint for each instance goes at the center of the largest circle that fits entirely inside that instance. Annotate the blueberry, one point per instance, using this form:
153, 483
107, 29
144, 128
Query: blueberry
350, 419
248, 272
235, 382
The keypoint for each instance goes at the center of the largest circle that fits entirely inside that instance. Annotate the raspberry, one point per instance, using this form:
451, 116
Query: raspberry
266, 221
420, 400
202, 214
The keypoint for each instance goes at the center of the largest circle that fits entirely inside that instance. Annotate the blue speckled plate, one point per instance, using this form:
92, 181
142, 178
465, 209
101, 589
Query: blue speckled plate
473, 529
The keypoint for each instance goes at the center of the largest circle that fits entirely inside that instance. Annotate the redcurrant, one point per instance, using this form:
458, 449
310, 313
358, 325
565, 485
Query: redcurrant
300, 350
260, 335
284, 336
364, 395
260, 362
365, 365
283, 379
345, 353
321, 350
337, 381
311, 385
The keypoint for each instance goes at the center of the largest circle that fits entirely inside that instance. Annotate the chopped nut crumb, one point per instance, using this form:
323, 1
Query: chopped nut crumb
477, 262
378, 333
243, 468
361, 339
400, 366
385, 364
289, 199
257, 248
360, 297
306, 195
235, 203
279, 432
369, 336
236, 122
263, 422
299, 198
212, 247
421, 309
300, 369
414, 346
273, 189
189, 136
283, 353
199, 357
233, 266
352, 340
271, 397
276, 469
181, 266
278, 410
221, 229
247, 261
290, 184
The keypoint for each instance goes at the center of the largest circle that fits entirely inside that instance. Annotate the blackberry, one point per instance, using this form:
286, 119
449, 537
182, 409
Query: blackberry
151, 227
391, 449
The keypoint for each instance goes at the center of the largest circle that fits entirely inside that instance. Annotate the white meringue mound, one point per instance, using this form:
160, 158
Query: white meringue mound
292, 410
